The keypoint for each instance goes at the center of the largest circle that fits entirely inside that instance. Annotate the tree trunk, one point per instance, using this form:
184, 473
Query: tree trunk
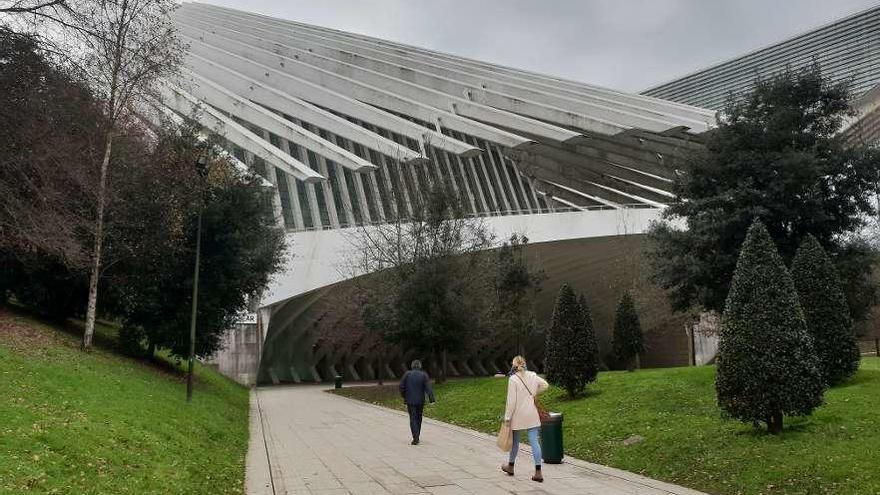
443, 365
638, 361
774, 423
96, 253
380, 370
434, 368
692, 346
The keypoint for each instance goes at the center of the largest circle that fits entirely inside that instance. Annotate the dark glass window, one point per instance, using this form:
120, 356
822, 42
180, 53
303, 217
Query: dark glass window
275, 140
353, 196
475, 167
478, 207
517, 186
367, 180
382, 177
284, 193
304, 204
499, 164
336, 188
527, 191
494, 178
238, 153
320, 191
259, 167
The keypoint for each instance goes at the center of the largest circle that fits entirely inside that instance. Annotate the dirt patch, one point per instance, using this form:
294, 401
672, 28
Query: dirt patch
21, 335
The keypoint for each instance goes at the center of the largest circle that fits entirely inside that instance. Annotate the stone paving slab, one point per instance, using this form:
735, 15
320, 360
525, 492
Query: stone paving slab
305, 441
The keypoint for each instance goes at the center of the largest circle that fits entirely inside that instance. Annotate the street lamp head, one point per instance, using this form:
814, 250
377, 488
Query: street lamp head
202, 164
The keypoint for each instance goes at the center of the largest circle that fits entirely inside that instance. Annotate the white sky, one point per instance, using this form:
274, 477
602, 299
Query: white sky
623, 44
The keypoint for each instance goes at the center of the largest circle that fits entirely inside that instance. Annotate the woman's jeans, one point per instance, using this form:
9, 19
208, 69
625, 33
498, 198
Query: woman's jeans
533, 442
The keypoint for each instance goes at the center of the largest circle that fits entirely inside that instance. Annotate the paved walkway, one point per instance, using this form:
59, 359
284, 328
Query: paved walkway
306, 441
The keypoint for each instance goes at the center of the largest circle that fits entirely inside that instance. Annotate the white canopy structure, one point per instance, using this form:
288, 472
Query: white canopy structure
342, 123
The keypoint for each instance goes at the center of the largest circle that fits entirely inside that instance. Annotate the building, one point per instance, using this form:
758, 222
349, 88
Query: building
846, 50
349, 129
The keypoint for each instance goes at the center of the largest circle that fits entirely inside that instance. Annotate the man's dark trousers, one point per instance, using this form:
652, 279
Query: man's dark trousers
415, 419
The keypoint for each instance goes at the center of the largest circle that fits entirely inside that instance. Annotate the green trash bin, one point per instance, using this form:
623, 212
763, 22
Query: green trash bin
338, 381
551, 439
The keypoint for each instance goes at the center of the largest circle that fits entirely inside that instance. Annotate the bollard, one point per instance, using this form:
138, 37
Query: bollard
338, 381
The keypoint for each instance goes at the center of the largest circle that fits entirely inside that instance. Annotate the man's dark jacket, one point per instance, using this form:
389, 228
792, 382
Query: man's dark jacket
414, 385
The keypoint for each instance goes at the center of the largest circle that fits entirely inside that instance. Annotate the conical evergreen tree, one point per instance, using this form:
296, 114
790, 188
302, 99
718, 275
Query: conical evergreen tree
570, 361
826, 312
591, 353
767, 367
627, 341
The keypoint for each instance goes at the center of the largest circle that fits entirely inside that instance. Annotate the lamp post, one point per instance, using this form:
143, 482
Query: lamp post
202, 169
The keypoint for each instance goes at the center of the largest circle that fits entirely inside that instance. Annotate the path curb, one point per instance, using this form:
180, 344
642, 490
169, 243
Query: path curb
597, 468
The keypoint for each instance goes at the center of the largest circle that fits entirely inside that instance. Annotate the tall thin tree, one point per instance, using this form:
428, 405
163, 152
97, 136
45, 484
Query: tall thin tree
627, 340
126, 48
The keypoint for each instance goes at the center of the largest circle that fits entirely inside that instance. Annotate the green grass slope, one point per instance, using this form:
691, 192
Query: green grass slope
686, 441
99, 423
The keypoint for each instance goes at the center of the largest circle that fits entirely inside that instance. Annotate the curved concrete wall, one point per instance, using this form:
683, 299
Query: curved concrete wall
317, 333
323, 257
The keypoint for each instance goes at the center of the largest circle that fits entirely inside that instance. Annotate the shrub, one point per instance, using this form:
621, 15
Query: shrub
826, 312
767, 366
571, 349
627, 339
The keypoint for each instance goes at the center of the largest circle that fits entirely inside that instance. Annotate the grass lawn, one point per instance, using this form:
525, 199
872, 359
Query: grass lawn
835, 451
89, 423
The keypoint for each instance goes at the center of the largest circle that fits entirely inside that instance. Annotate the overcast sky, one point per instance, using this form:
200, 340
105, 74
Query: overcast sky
623, 44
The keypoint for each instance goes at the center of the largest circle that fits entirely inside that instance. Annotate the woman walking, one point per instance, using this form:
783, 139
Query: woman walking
521, 412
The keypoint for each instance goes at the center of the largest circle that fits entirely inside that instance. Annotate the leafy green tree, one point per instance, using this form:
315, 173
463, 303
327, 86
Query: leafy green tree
767, 365
151, 285
825, 311
777, 156
571, 350
627, 340
516, 286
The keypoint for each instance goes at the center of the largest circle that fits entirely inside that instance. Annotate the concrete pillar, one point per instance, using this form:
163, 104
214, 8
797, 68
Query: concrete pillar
478, 365
451, 368
353, 373
294, 375
274, 377
467, 369
389, 372
315, 375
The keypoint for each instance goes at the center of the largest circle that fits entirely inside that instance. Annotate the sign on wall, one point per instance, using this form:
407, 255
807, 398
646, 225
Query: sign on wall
246, 318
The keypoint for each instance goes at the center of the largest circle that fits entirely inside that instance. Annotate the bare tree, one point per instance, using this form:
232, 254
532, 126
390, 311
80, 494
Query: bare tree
430, 276
51, 9
126, 47
52, 19
50, 136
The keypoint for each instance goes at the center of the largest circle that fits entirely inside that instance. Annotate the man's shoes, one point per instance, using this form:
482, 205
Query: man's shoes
414, 442
507, 468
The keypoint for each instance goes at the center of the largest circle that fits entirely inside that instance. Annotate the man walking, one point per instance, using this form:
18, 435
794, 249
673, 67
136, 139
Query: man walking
414, 385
